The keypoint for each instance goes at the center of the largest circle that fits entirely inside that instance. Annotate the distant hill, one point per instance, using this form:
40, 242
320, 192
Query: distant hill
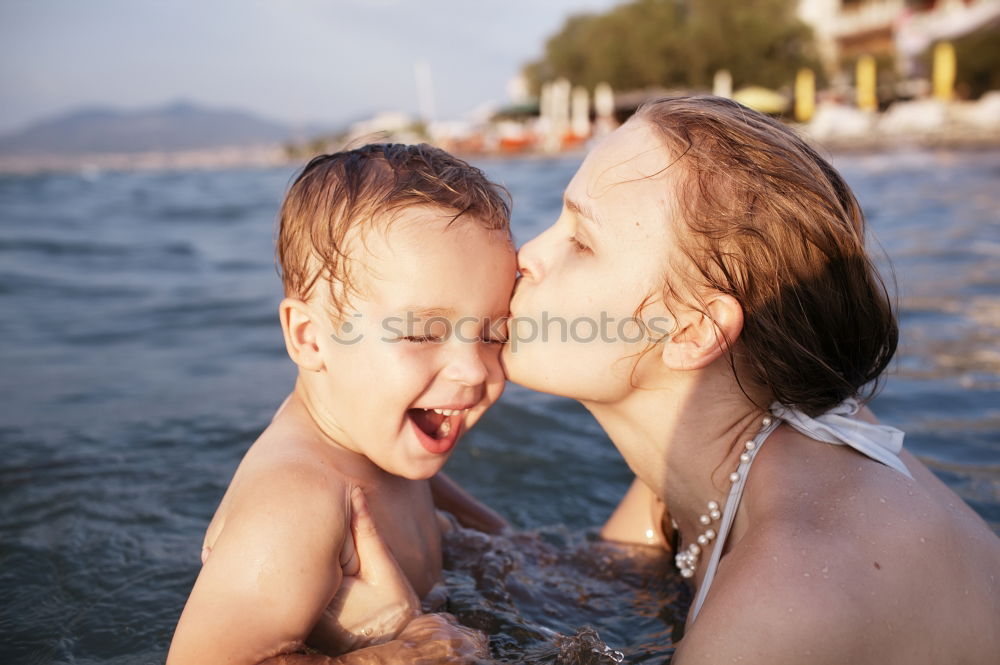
171, 128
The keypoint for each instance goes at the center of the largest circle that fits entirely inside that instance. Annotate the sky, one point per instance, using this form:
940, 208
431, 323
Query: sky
296, 61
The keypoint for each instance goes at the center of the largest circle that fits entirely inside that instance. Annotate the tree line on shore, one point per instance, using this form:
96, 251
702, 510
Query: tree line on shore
681, 44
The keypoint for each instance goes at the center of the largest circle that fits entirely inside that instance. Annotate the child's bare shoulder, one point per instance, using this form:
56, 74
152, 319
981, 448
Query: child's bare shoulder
284, 483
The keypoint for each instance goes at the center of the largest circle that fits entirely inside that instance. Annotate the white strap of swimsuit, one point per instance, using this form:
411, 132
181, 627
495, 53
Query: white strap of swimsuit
728, 515
879, 442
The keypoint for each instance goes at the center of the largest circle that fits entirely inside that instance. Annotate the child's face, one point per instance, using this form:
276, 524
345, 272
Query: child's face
425, 335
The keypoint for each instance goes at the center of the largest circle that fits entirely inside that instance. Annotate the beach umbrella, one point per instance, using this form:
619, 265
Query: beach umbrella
762, 99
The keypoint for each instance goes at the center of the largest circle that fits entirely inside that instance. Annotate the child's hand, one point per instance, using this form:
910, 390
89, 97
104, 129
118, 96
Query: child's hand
373, 605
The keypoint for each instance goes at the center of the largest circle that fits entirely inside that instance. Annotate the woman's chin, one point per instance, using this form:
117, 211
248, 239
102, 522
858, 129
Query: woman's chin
534, 369
521, 368
511, 363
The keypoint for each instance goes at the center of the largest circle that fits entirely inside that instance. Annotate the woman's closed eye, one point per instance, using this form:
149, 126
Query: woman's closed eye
578, 244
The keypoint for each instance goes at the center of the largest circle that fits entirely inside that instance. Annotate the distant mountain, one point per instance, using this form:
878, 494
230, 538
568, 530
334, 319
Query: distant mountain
171, 128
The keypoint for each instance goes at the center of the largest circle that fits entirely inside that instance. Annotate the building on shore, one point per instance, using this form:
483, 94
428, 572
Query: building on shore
898, 30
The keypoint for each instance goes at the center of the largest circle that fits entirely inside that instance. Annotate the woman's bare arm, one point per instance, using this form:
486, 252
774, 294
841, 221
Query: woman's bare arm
638, 519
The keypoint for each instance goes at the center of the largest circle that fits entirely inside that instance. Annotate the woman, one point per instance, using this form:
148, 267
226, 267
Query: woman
737, 254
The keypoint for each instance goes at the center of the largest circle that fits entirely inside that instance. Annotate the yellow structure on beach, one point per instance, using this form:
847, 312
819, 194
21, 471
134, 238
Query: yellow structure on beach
866, 84
805, 95
945, 68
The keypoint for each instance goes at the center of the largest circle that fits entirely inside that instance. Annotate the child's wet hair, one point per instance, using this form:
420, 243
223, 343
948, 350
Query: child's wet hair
764, 218
340, 194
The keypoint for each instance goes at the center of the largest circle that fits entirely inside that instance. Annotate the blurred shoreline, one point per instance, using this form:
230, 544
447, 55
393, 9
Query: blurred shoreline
267, 156
276, 156
923, 124
954, 139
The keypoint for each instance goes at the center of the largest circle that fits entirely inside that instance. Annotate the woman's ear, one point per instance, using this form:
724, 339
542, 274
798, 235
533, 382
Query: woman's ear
300, 331
700, 337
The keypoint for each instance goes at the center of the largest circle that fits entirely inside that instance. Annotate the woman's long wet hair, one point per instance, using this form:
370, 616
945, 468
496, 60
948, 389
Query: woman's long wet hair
765, 219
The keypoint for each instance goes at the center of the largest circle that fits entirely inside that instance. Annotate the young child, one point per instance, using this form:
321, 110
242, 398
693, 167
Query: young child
398, 266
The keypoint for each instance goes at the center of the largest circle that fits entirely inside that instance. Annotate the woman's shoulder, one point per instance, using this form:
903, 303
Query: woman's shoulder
792, 567
830, 507
848, 563
777, 601
787, 596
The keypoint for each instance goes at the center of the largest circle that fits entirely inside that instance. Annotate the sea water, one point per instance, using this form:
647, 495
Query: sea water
141, 355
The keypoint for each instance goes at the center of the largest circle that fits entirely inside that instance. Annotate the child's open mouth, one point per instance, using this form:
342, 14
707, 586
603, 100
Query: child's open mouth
437, 429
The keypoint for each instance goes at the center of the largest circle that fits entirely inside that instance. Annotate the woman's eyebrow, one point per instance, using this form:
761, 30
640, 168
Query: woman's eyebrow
581, 210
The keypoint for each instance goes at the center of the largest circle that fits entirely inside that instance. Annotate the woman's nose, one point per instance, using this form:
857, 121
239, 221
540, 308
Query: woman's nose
529, 260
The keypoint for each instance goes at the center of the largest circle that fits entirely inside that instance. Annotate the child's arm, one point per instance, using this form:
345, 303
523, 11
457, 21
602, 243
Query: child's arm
428, 638
380, 597
468, 510
272, 573
272, 570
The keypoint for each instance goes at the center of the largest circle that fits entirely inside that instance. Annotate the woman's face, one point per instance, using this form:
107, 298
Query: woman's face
573, 328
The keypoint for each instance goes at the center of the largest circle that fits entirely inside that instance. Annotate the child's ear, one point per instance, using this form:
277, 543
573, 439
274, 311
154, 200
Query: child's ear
300, 331
701, 337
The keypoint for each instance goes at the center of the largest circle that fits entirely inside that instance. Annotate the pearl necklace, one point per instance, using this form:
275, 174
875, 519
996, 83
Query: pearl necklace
687, 559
